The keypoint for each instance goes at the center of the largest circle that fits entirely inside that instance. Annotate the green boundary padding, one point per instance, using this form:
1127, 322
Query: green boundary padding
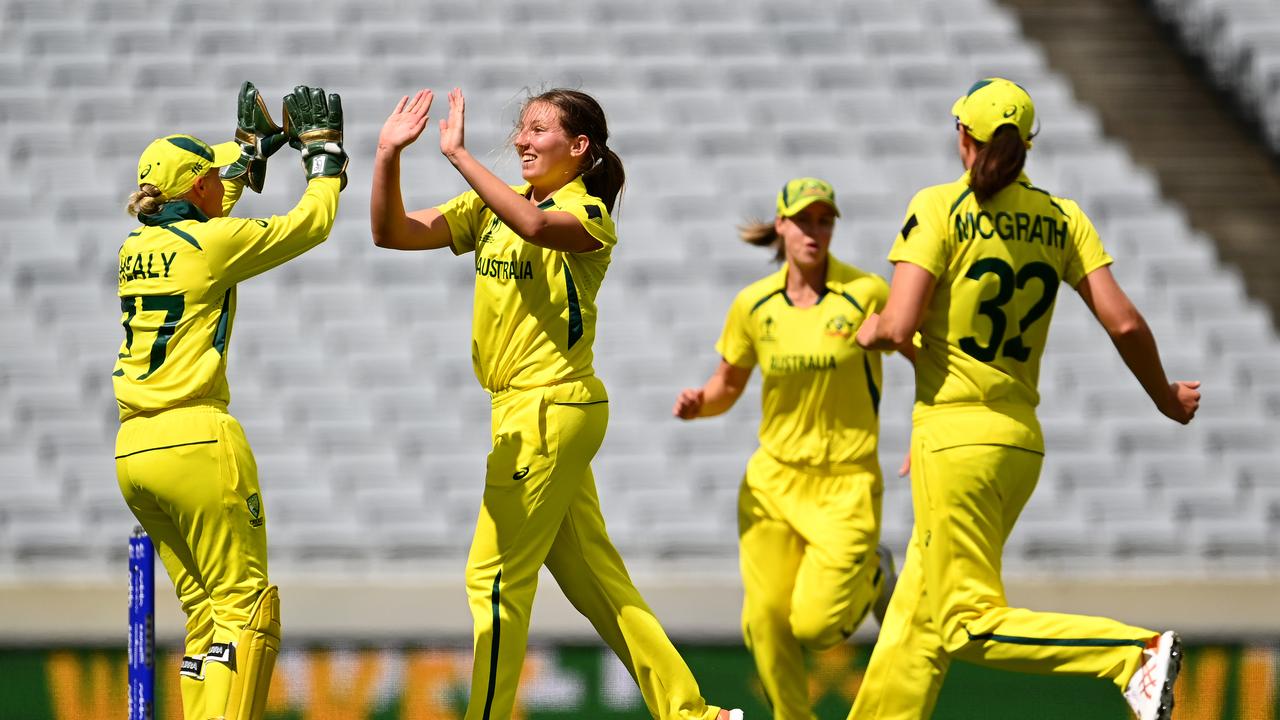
725, 674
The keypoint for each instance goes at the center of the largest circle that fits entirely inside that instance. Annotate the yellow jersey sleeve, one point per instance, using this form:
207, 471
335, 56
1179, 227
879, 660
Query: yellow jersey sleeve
736, 344
1088, 254
877, 293
923, 239
462, 213
591, 213
246, 247
231, 192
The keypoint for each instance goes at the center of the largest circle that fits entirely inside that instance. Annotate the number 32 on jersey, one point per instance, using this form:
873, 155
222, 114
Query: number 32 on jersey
1036, 276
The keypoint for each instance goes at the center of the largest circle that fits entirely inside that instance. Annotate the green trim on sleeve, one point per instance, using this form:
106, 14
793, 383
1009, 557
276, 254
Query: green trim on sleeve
967, 192
184, 236
765, 299
849, 297
1052, 201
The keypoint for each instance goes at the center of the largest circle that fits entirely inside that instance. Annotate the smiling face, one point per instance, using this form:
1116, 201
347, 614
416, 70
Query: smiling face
549, 156
806, 236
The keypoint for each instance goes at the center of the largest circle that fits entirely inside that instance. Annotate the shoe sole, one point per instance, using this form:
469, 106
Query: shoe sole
1175, 664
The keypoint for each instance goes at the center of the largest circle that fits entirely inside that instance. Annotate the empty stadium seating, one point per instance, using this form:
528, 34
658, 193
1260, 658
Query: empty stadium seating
350, 366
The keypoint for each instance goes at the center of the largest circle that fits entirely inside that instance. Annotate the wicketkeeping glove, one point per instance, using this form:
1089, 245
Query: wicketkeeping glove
259, 138
313, 123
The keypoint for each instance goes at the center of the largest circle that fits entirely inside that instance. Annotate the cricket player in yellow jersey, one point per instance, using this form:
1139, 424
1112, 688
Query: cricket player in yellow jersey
978, 263
541, 250
182, 461
809, 507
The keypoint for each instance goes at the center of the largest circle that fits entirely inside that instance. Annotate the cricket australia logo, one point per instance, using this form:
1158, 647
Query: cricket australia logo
840, 327
254, 504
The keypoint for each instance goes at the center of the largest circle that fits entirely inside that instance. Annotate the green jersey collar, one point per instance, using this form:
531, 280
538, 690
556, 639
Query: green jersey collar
173, 211
575, 187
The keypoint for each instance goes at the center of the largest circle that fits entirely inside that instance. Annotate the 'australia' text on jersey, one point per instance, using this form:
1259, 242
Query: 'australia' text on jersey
801, 363
513, 269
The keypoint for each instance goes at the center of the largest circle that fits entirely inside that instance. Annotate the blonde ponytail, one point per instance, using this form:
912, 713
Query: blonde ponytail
146, 200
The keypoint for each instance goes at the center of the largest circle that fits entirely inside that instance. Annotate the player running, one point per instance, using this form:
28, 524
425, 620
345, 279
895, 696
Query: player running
541, 252
182, 461
809, 507
977, 268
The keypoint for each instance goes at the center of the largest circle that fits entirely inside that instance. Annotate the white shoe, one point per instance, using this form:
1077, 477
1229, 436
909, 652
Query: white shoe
1150, 690
889, 580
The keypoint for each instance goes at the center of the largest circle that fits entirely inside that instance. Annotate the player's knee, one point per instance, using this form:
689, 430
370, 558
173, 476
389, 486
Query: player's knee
761, 616
819, 629
199, 631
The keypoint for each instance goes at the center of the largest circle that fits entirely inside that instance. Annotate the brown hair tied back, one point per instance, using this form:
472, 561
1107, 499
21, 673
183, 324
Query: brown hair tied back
998, 164
763, 234
580, 114
146, 200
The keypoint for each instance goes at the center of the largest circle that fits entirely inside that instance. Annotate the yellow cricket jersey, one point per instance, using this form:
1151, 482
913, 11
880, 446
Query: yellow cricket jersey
534, 317
821, 391
178, 275
998, 268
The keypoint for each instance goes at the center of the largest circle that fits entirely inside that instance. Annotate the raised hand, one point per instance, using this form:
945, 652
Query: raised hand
259, 138
313, 122
452, 141
406, 122
866, 336
688, 404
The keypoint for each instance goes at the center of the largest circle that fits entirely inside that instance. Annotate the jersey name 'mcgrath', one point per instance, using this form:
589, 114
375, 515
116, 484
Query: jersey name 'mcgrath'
513, 269
1044, 229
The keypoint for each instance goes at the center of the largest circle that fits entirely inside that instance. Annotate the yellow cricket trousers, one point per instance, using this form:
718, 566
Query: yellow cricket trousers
807, 549
540, 506
189, 477
950, 601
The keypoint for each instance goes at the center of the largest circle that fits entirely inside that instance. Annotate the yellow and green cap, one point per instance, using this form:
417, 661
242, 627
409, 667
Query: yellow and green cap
800, 193
993, 102
174, 162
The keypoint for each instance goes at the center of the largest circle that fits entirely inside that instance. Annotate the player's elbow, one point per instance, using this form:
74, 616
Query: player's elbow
1125, 324
382, 239
536, 230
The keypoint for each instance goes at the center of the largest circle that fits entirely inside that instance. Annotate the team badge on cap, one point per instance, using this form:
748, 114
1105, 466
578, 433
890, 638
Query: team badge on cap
993, 102
173, 163
800, 193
